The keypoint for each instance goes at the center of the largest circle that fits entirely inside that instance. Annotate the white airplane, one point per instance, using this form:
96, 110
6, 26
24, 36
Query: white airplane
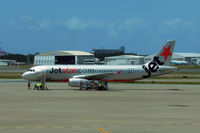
83, 75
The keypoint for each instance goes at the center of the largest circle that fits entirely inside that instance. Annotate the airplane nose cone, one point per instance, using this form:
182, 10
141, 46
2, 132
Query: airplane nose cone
29, 76
25, 75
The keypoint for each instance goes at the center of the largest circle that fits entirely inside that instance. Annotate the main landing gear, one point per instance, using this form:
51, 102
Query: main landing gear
94, 85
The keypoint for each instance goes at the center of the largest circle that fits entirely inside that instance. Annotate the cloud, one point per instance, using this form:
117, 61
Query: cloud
75, 23
27, 19
21, 23
45, 24
129, 25
178, 26
45, 33
96, 24
42, 33
111, 28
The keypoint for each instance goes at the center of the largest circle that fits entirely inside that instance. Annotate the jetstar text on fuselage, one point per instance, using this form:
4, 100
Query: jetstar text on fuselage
63, 70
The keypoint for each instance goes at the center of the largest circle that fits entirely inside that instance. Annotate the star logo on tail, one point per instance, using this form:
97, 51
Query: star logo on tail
166, 52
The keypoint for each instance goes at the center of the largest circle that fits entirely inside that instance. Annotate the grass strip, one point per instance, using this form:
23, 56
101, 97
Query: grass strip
11, 76
176, 77
166, 82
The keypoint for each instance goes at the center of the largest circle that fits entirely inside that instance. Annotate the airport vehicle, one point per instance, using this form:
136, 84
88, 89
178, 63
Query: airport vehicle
97, 76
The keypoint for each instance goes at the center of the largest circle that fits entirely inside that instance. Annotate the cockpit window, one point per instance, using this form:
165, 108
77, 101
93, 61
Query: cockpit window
31, 70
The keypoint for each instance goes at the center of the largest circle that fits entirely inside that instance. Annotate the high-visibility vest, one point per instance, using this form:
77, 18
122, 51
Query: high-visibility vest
39, 84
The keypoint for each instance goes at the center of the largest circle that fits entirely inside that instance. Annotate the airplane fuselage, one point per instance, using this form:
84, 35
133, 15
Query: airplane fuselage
112, 72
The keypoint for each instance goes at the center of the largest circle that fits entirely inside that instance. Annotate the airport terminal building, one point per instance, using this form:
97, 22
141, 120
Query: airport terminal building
125, 60
102, 53
64, 58
5, 62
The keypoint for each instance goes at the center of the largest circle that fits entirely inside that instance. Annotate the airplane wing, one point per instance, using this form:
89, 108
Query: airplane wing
94, 76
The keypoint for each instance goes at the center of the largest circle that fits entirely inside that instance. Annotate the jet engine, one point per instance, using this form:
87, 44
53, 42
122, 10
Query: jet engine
76, 82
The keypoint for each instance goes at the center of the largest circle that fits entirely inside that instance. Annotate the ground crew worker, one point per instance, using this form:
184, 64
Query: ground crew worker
99, 86
39, 86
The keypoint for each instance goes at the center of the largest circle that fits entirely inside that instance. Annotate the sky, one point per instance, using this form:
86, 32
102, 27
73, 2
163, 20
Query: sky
142, 26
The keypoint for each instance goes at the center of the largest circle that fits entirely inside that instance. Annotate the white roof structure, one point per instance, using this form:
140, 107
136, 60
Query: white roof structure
64, 57
124, 57
64, 53
124, 60
188, 54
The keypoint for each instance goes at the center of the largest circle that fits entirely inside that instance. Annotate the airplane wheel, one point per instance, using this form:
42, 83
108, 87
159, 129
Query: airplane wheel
81, 86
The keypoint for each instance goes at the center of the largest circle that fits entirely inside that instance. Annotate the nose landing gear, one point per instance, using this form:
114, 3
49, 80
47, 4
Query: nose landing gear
39, 86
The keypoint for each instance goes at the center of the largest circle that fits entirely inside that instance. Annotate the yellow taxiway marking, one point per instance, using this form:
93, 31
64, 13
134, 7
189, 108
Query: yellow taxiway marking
102, 131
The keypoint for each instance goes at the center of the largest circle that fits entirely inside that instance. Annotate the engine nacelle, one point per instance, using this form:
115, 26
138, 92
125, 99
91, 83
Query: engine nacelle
75, 82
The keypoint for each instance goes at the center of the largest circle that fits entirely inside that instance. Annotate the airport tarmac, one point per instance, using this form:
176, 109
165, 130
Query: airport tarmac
125, 108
